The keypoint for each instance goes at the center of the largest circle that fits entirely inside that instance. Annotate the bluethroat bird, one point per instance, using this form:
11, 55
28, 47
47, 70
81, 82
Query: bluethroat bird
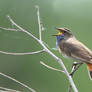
69, 46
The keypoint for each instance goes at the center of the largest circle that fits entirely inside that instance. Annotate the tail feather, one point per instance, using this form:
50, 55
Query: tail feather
89, 69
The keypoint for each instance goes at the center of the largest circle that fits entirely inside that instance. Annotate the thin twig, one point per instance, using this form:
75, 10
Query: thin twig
39, 22
8, 90
28, 33
49, 67
55, 49
9, 29
27, 53
32, 90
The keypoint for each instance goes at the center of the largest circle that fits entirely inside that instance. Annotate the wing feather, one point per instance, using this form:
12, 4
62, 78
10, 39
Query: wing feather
77, 50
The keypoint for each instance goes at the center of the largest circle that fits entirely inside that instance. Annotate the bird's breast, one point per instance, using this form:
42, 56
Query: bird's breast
63, 54
63, 49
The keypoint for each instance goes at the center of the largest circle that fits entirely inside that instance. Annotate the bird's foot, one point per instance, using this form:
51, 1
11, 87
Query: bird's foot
75, 67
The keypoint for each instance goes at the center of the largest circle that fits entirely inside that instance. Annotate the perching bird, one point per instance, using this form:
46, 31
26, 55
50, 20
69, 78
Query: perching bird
69, 46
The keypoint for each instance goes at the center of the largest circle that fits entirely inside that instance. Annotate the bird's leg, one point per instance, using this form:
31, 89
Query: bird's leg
75, 67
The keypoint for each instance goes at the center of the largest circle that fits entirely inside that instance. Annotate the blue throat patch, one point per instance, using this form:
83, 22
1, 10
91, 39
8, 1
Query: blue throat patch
58, 38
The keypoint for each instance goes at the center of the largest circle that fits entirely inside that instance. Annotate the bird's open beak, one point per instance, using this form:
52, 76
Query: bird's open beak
59, 32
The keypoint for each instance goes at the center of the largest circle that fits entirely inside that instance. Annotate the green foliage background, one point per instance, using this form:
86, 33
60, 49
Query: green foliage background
73, 14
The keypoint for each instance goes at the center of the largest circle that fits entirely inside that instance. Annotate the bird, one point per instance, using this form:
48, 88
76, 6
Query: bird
72, 48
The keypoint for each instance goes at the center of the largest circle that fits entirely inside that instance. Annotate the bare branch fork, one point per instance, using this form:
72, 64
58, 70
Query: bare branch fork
45, 49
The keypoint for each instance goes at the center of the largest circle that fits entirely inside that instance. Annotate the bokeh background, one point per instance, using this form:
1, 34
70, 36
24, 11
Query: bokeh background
73, 14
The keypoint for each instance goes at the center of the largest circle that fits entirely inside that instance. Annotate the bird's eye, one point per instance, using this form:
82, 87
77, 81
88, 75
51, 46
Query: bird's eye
64, 31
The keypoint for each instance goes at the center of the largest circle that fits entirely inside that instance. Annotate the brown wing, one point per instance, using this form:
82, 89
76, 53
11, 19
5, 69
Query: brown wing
76, 50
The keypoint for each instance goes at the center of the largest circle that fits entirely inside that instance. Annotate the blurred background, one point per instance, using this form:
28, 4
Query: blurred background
73, 14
